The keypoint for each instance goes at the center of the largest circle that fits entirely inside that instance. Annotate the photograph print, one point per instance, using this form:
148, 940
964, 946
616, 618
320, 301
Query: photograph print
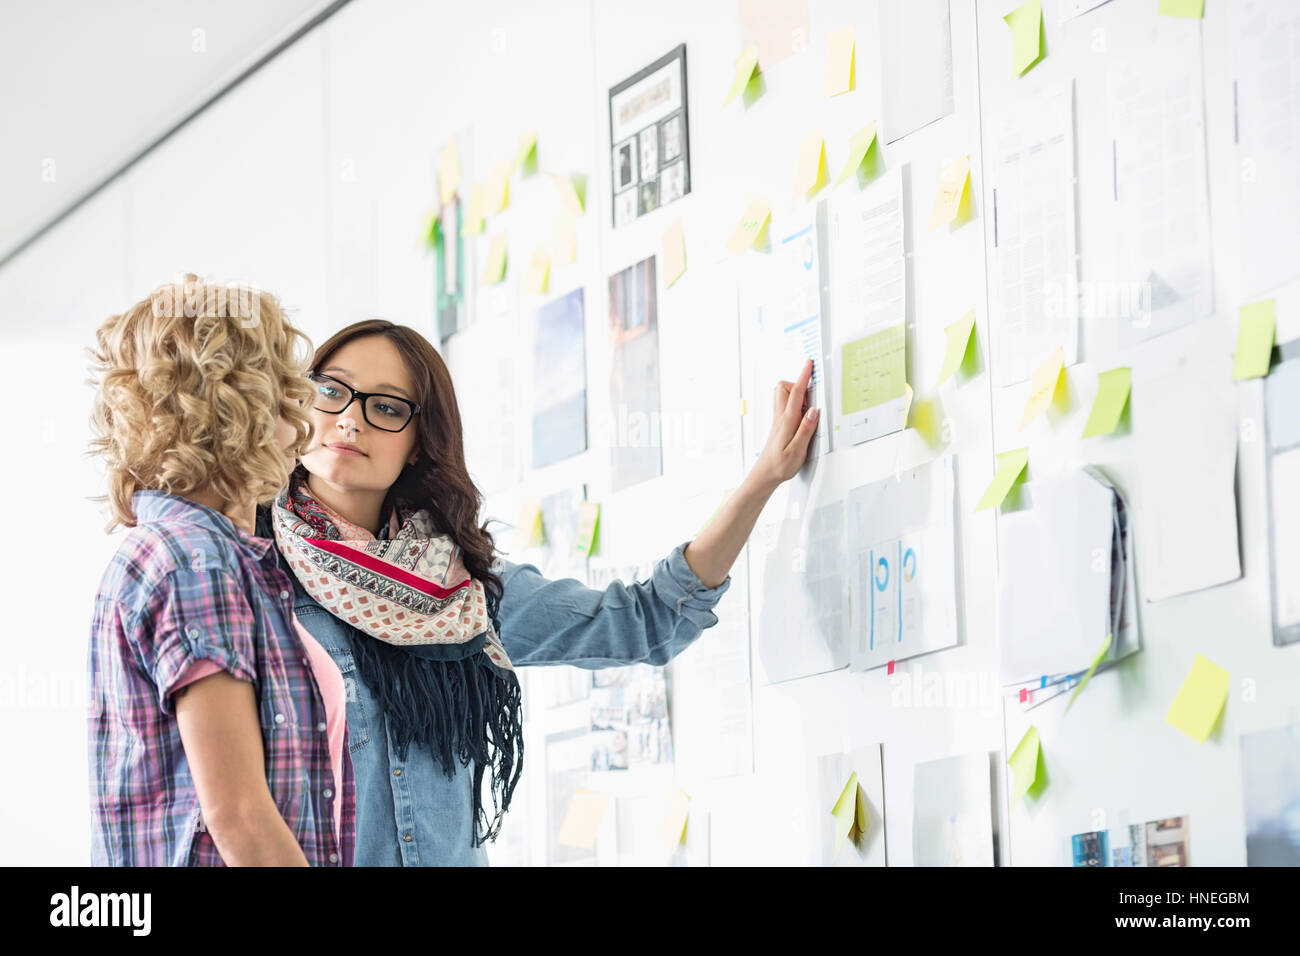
649, 145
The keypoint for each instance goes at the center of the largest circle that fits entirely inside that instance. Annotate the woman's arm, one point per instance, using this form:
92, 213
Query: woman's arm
218, 722
712, 554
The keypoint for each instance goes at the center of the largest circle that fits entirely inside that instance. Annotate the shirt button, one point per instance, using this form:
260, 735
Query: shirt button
406, 837
328, 793
334, 857
284, 595
192, 631
279, 718
321, 728
397, 772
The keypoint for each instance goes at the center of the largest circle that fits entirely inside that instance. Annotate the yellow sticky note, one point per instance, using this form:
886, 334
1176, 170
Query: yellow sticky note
1254, 340
498, 188
1043, 386
725, 495
566, 240
860, 143
844, 812
951, 200
1010, 466
496, 260
526, 156
570, 196
1192, 9
673, 251
745, 70
584, 542
1026, 762
874, 369
861, 815
960, 334
1026, 23
1112, 395
448, 172
677, 807
811, 174
474, 219
529, 532
1200, 700
1092, 669
536, 279
839, 62
582, 822
752, 224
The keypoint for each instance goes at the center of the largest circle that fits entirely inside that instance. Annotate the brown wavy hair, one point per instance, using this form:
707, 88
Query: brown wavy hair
439, 480
190, 385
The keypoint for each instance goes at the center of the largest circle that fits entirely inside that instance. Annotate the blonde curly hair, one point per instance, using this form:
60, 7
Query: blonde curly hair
190, 386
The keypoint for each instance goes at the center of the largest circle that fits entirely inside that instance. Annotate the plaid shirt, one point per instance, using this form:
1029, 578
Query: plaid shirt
188, 585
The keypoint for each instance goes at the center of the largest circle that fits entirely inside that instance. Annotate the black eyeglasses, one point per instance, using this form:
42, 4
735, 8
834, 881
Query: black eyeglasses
389, 413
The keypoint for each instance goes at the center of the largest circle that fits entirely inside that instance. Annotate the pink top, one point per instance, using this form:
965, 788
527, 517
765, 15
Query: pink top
330, 680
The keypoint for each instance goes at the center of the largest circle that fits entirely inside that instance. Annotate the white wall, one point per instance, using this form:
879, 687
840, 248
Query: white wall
312, 179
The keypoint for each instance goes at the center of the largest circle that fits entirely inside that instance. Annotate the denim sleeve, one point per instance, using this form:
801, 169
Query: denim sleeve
566, 622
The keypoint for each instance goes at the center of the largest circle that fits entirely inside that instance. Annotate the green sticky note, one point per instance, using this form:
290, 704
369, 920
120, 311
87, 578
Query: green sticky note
588, 522
1112, 395
845, 811
1192, 9
1200, 700
1010, 465
959, 339
431, 229
746, 68
1026, 763
860, 144
526, 157
1026, 23
874, 369
1096, 660
1254, 340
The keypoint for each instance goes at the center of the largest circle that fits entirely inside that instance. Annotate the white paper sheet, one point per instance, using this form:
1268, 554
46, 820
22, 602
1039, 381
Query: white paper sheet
1033, 282
1265, 42
868, 292
1282, 405
484, 364
798, 592
1074, 8
902, 558
1185, 434
915, 65
952, 812
833, 771
783, 324
710, 685
1054, 577
1156, 104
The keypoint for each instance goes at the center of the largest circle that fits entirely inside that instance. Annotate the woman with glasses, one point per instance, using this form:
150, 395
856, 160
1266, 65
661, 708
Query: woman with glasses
397, 580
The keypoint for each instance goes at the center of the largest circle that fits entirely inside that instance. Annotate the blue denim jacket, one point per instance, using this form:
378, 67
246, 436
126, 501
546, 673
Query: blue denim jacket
408, 812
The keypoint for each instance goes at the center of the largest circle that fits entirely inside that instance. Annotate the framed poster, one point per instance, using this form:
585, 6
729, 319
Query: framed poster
649, 148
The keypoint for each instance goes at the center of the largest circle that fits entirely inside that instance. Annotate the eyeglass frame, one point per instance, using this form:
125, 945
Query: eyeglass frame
363, 396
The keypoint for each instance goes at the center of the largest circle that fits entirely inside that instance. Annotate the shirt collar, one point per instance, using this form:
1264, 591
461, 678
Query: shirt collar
153, 505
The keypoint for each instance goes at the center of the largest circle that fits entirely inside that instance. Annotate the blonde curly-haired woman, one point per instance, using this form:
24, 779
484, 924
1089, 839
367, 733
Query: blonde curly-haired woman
217, 725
